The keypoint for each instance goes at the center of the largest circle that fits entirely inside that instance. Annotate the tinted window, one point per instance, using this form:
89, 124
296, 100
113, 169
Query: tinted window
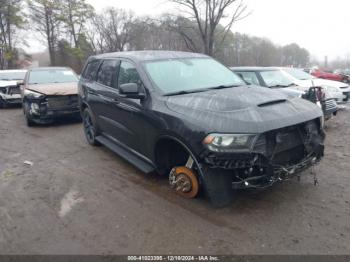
52, 76
107, 72
91, 70
128, 74
249, 77
190, 74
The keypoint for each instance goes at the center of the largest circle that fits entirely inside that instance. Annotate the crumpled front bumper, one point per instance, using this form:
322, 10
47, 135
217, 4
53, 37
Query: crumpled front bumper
272, 161
41, 112
11, 99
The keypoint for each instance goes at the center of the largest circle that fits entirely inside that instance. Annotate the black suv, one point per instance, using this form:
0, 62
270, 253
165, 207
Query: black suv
187, 116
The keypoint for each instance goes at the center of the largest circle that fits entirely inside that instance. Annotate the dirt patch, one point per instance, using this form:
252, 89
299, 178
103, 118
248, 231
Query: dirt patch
76, 199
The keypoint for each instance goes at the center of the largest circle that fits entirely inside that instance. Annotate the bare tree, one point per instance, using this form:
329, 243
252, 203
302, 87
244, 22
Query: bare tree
113, 29
208, 14
75, 16
11, 19
46, 15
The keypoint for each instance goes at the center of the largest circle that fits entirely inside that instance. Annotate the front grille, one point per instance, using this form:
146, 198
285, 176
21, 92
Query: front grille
62, 102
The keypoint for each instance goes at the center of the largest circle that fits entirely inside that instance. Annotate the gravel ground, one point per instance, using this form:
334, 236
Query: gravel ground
76, 199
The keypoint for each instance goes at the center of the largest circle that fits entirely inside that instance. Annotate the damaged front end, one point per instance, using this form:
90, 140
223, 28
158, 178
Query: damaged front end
44, 108
10, 94
259, 161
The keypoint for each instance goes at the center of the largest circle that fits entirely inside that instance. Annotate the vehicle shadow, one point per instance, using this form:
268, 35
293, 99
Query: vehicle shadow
244, 202
62, 121
11, 107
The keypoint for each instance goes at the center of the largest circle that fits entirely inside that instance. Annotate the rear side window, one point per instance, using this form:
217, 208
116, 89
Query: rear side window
128, 74
108, 72
91, 70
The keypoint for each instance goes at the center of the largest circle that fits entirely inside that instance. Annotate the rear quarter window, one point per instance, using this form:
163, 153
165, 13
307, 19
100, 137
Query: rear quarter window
91, 70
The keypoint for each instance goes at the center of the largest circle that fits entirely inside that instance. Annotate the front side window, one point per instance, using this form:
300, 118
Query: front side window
108, 72
128, 74
189, 74
51, 76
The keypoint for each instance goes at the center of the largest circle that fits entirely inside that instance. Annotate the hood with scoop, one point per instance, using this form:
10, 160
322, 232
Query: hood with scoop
245, 109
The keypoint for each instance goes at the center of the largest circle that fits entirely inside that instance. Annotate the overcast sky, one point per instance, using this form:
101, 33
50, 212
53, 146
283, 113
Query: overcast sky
320, 26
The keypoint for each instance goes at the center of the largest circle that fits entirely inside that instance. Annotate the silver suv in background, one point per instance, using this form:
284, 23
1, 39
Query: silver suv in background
275, 79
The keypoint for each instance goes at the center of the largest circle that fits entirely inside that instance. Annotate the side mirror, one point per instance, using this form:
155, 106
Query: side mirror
131, 90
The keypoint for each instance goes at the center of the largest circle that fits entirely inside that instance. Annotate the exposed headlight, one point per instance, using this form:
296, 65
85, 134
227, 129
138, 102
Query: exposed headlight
229, 142
32, 94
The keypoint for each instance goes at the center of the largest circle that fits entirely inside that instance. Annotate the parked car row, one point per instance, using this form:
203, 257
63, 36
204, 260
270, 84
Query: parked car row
337, 75
186, 116
280, 79
345, 73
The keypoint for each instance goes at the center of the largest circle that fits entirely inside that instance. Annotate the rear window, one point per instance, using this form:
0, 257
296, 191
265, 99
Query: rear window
91, 70
52, 76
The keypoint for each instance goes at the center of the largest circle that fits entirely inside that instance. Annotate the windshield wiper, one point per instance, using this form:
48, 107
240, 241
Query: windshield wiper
222, 87
185, 92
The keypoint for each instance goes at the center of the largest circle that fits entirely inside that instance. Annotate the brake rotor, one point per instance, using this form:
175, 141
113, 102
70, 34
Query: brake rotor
184, 182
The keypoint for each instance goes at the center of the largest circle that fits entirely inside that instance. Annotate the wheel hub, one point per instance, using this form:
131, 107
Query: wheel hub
184, 182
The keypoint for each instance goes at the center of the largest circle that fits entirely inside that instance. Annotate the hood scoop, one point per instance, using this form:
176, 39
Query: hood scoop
274, 102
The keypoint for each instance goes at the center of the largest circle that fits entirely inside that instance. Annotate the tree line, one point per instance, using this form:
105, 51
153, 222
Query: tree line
73, 30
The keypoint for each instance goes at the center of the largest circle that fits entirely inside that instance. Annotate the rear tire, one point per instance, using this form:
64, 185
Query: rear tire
217, 185
90, 129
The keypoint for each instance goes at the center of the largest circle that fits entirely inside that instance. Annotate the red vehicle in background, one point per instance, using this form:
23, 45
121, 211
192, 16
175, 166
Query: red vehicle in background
327, 75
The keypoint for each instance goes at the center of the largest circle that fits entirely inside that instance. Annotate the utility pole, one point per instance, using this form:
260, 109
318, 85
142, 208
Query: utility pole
326, 61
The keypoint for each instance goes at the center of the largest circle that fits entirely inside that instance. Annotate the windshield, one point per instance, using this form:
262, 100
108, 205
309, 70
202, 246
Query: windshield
186, 75
12, 76
52, 76
275, 79
298, 74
